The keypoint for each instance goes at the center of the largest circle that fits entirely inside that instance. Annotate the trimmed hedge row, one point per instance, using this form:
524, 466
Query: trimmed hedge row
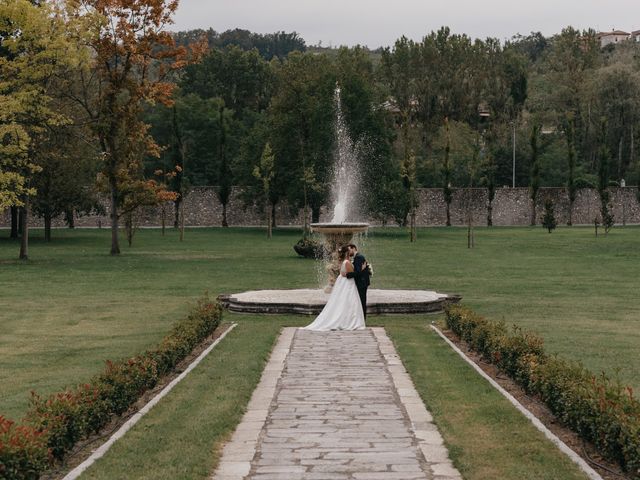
53, 425
600, 410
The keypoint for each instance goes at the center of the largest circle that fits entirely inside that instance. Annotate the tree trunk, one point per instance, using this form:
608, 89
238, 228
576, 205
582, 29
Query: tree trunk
164, 217
176, 218
69, 217
470, 240
269, 222
14, 222
47, 226
315, 214
414, 235
24, 241
115, 244
224, 215
306, 230
128, 222
620, 157
20, 221
490, 214
273, 215
448, 214
632, 152
570, 222
181, 221
533, 212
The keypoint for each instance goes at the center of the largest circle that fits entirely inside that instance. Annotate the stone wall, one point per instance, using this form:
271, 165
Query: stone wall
511, 206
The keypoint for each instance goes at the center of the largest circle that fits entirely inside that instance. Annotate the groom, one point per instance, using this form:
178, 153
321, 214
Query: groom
360, 274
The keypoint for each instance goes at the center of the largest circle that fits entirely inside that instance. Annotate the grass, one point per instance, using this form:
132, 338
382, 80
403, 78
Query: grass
177, 438
72, 306
486, 436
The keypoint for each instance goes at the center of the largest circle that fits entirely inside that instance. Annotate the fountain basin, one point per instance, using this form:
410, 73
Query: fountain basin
339, 228
312, 301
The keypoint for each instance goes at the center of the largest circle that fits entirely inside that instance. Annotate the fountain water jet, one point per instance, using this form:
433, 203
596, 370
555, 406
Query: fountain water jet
346, 185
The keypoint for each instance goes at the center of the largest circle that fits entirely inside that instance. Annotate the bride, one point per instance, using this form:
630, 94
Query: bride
343, 310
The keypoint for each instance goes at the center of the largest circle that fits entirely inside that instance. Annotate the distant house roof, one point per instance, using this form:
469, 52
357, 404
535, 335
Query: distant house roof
614, 32
635, 33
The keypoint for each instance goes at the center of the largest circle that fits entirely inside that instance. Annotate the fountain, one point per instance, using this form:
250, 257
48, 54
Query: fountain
345, 192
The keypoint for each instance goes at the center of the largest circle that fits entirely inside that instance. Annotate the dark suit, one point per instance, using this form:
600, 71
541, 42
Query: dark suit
361, 278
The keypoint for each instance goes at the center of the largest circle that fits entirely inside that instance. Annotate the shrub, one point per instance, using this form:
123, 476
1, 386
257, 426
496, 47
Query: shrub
600, 410
309, 248
23, 451
53, 425
549, 218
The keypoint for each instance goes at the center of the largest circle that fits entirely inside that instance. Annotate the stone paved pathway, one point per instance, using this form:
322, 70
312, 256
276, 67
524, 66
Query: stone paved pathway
343, 407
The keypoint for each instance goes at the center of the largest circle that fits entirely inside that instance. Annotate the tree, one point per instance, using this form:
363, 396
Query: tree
134, 57
65, 183
241, 78
398, 70
446, 186
549, 219
269, 46
603, 178
616, 96
572, 56
570, 132
360, 96
534, 186
408, 173
35, 45
264, 172
302, 135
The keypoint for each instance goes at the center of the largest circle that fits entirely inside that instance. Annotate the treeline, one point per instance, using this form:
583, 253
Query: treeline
447, 112
138, 116
269, 45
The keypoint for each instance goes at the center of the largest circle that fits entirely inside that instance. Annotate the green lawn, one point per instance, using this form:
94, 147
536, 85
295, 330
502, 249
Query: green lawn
72, 306
181, 437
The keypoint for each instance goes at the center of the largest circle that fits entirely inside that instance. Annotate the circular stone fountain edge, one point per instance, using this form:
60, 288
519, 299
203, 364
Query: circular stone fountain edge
312, 301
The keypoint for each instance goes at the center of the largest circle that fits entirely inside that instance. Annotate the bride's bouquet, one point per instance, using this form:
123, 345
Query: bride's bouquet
370, 269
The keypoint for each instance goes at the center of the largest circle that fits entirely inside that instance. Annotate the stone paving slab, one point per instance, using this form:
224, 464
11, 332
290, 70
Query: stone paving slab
343, 407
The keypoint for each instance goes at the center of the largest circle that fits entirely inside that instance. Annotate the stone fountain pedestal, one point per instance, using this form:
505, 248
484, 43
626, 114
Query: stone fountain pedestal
336, 235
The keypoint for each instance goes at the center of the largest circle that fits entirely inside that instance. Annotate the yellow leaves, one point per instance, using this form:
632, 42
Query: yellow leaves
13, 189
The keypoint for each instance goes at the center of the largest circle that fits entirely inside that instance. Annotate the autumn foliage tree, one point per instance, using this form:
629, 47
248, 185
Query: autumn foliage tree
134, 60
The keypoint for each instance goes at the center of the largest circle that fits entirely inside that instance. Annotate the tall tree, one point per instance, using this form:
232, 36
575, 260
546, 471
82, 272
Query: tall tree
398, 71
264, 172
302, 130
360, 96
603, 177
65, 184
534, 186
570, 132
134, 57
35, 45
448, 192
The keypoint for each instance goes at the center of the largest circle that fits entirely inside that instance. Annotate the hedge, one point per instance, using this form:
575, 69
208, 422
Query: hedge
53, 425
599, 409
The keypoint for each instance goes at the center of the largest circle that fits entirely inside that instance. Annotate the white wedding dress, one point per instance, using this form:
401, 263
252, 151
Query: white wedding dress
343, 310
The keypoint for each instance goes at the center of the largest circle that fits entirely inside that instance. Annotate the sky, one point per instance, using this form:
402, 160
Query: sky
377, 23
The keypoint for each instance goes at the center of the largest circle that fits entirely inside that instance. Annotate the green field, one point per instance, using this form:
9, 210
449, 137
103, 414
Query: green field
72, 306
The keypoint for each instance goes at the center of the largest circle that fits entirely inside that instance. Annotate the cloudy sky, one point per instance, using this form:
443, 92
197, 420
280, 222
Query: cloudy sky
378, 23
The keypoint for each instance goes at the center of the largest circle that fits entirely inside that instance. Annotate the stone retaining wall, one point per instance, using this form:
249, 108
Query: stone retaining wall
511, 206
